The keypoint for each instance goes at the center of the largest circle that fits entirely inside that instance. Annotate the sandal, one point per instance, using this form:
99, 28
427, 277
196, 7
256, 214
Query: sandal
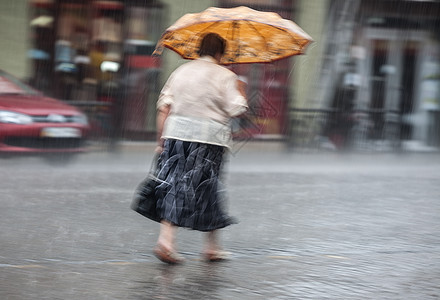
167, 256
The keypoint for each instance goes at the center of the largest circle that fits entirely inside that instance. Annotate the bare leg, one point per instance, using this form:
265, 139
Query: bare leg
165, 249
167, 235
212, 244
213, 250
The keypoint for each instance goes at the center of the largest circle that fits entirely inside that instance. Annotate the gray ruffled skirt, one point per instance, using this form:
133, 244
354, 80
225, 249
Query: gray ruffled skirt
191, 194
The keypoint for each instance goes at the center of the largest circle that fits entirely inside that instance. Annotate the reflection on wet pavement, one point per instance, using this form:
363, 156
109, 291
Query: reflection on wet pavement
309, 229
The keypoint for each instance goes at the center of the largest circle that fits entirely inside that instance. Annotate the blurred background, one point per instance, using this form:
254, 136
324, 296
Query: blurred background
370, 81
362, 225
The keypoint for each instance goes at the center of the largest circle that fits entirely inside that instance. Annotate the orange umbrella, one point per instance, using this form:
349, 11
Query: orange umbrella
252, 36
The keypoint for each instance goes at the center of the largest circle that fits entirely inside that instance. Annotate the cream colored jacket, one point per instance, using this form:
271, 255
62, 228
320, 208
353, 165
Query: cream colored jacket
203, 97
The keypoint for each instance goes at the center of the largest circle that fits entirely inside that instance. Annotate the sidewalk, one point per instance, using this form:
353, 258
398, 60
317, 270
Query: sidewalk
278, 146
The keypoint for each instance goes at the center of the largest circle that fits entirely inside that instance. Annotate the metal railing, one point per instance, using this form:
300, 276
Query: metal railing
327, 129
101, 119
358, 129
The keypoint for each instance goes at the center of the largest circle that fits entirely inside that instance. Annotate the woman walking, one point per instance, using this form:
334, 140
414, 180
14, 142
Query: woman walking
193, 115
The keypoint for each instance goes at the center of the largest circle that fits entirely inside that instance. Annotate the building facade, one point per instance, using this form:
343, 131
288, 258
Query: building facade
372, 74
97, 55
384, 57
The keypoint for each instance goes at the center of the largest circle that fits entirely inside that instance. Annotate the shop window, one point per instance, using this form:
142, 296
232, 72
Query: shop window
97, 55
142, 30
41, 51
106, 46
72, 23
378, 87
410, 53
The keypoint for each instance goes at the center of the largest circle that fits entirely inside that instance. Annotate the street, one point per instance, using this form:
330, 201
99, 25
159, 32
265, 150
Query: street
312, 226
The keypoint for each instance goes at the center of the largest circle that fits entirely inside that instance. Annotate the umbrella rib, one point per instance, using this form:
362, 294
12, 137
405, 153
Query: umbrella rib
208, 28
258, 33
294, 40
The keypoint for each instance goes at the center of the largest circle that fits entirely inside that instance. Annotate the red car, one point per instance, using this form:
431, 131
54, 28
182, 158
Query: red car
33, 123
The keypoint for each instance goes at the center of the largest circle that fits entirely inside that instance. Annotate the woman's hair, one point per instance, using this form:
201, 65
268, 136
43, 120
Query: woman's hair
212, 44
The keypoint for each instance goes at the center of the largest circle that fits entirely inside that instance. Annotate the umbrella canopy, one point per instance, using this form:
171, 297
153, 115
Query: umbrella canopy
252, 36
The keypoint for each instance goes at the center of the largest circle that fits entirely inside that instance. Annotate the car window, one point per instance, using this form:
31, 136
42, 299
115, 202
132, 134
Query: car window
11, 85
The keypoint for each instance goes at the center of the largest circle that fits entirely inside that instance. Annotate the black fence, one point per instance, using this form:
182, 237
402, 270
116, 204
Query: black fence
102, 119
346, 130
328, 129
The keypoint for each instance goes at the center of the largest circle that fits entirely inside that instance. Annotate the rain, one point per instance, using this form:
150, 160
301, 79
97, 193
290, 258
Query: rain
332, 173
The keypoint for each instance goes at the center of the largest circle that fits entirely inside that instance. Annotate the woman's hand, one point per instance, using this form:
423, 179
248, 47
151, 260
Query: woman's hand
159, 147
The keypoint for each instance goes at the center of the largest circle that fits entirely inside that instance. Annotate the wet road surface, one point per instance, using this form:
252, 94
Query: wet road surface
312, 226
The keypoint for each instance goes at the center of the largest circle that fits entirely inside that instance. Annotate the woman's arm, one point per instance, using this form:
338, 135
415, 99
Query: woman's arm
162, 114
241, 86
235, 100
